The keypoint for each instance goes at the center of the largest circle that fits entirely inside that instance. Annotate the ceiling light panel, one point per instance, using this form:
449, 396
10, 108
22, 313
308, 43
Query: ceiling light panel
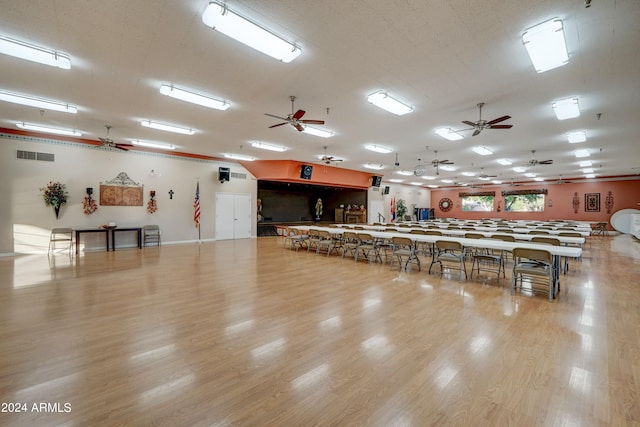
378, 148
504, 162
149, 144
546, 45
582, 153
41, 55
317, 132
239, 157
396, 180
270, 147
405, 173
383, 100
47, 129
567, 108
449, 134
375, 166
194, 98
447, 168
586, 163
167, 128
31, 101
220, 18
519, 169
483, 151
577, 136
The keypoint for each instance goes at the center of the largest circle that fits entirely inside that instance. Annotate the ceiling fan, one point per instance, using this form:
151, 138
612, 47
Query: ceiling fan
295, 118
480, 124
108, 142
327, 160
485, 176
534, 162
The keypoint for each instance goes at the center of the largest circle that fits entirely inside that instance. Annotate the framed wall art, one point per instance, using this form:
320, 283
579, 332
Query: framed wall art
592, 202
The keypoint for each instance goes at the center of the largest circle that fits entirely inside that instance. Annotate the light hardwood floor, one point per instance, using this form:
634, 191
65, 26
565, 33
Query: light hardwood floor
248, 333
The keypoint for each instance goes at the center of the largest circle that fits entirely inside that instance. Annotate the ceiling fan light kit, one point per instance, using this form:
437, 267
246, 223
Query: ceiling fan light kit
546, 45
167, 128
31, 101
47, 129
30, 52
194, 98
382, 99
219, 17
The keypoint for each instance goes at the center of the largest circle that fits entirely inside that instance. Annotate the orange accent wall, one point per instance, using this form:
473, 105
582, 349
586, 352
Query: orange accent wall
626, 195
289, 171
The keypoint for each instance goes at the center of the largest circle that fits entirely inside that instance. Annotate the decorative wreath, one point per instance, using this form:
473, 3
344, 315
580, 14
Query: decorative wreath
445, 204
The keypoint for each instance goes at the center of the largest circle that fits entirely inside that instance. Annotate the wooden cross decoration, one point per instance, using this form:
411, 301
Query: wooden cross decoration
171, 194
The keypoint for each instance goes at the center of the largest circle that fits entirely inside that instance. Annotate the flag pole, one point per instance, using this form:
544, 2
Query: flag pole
196, 209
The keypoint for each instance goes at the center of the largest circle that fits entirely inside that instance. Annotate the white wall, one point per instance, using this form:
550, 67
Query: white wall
413, 196
80, 166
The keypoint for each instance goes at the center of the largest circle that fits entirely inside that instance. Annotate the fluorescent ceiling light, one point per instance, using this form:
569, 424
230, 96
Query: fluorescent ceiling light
577, 136
427, 177
405, 173
37, 102
383, 100
530, 174
167, 128
376, 166
449, 134
194, 98
448, 181
582, 153
484, 178
587, 170
585, 163
47, 129
496, 181
416, 183
378, 148
546, 45
432, 186
396, 180
469, 173
483, 151
567, 108
519, 169
317, 132
538, 179
239, 157
447, 168
219, 17
270, 147
504, 162
591, 175
160, 145
34, 53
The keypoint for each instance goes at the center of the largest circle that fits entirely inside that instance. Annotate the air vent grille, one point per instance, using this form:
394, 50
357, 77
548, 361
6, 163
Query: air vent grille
32, 155
238, 175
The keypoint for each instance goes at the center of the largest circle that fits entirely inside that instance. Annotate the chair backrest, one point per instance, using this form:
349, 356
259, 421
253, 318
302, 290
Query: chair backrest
324, 234
433, 233
569, 234
404, 225
350, 236
61, 230
358, 227
538, 232
392, 230
546, 240
313, 232
504, 230
533, 254
544, 228
151, 229
415, 231
503, 237
447, 245
473, 236
467, 228
365, 237
433, 226
401, 241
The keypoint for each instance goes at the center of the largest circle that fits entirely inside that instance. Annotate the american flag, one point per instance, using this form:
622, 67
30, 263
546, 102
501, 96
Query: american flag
196, 206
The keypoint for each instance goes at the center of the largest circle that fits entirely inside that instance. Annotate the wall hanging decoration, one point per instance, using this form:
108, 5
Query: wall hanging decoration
445, 204
89, 204
121, 191
152, 206
171, 194
592, 202
608, 202
575, 202
55, 194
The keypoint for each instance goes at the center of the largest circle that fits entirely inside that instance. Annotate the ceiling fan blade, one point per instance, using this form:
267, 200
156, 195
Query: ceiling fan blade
275, 117
476, 132
121, 147
298, 126
312, 122
279, 124
467, 122
445, 162
500, 126
298, 115
499, 119
545, 162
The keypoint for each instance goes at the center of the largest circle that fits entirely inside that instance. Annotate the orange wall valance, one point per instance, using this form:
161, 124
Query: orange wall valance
289, 171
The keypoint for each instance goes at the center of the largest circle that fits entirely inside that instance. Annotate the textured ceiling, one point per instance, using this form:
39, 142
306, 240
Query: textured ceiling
441, 57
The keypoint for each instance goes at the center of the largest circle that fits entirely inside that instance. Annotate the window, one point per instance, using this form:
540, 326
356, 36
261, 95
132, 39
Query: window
477, 203
524, 200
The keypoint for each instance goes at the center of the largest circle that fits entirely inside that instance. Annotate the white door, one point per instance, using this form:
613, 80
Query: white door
375, 207
233, 216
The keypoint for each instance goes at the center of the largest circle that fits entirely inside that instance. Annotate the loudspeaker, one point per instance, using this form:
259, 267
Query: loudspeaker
376, 181
305, 171
223, 174
386, 190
